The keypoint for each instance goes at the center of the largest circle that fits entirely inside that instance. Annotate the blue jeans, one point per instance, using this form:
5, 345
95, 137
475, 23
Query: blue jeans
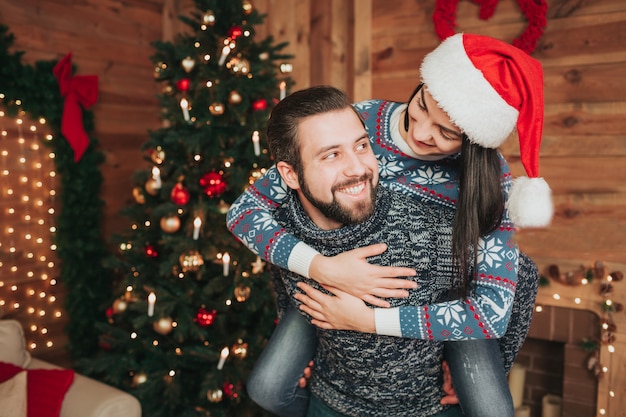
478, 378
475, 365
318, 409
273, 383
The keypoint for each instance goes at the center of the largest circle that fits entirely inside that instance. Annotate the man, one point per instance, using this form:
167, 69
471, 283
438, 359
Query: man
323, 154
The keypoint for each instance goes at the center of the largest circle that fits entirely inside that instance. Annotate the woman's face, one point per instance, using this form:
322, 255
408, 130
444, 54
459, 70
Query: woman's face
431, 133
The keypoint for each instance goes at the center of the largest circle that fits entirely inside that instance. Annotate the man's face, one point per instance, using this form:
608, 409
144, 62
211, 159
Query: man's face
340, 172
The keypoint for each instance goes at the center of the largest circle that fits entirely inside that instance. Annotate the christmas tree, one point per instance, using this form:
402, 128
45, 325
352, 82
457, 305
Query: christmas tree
194, 307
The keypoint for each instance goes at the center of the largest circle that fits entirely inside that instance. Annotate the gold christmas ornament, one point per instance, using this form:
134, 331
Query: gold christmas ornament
191, 261
208, 18
170, 224
255, 174
119, 306
159, 68
216, 109
286, 68
234, 97
223, 207
214, 395
228, 161
152, 186
139, 379
188, 64
163, 326
240, 349
158, 155
139, 197
242, 293
258, 265
247, 6
238, 65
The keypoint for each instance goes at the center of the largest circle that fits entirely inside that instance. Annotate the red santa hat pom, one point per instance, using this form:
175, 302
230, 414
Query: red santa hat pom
488, 87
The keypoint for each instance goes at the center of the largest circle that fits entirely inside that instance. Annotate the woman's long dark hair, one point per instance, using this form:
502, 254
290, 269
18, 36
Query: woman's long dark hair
480, 203
479, 208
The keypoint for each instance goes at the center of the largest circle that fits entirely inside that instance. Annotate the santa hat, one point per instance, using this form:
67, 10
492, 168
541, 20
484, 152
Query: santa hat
489, 87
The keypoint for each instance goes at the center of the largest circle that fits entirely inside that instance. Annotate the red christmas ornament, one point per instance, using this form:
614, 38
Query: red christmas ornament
151, 251
213, 184
260, 104
104, 346
183, 84
179, 195
235, 32
109, 312
229, 390
204, 317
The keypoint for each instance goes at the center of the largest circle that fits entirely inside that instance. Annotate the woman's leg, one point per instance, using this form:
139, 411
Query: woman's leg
479, 379
273, 383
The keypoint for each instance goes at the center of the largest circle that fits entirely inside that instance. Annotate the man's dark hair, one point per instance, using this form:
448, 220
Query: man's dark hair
282, 128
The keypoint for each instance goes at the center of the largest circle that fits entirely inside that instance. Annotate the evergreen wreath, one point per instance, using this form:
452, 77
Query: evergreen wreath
80, 247
444, 18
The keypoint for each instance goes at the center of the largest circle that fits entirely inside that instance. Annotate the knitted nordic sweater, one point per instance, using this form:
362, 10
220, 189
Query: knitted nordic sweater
362, 374
485, 314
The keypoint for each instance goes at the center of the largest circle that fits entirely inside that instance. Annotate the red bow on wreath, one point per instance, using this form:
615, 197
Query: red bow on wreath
535, 11
78, 90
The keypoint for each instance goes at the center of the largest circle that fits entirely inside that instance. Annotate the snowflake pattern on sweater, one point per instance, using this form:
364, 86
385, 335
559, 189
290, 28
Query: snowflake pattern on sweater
483, 315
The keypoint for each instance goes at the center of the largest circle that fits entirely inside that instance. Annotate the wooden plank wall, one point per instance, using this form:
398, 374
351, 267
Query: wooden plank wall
110, 39
372, 48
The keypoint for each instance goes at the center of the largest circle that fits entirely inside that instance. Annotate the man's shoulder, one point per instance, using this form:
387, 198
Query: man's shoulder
410, 208
402, 201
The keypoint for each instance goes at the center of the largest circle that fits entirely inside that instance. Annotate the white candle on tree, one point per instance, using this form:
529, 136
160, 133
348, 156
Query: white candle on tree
223, 355
225, 52
197, 222
184, 105
226, 263
151, 302
156, 176
256, 142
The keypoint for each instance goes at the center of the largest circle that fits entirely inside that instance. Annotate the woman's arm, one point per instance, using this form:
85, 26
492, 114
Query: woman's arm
484, 315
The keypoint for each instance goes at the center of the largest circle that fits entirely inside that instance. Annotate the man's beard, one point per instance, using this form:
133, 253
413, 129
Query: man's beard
335, 211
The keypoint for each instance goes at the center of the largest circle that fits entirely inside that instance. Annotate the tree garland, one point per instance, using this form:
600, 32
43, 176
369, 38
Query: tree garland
535, 11
80, 247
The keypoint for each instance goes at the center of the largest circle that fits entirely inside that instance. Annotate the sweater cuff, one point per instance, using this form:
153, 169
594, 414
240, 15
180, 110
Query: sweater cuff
300, 259
388, 321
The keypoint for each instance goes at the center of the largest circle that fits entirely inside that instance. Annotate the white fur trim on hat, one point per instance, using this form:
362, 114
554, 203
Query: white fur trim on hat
530, 202
461, 90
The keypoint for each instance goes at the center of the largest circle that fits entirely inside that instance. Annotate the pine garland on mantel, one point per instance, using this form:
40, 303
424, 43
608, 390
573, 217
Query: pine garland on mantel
80, 246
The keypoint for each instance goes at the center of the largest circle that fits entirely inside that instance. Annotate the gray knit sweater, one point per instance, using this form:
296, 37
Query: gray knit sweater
361, 374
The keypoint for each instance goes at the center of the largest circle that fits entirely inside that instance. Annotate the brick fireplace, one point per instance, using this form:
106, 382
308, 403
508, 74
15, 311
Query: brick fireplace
556, 363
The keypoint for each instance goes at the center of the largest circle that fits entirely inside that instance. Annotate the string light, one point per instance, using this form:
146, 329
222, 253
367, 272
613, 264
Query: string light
27, 185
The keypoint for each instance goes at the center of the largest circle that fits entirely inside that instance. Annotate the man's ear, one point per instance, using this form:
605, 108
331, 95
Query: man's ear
289, 175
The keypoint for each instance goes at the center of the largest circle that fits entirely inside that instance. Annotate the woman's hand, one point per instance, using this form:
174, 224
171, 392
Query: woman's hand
350, 272
340, 312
